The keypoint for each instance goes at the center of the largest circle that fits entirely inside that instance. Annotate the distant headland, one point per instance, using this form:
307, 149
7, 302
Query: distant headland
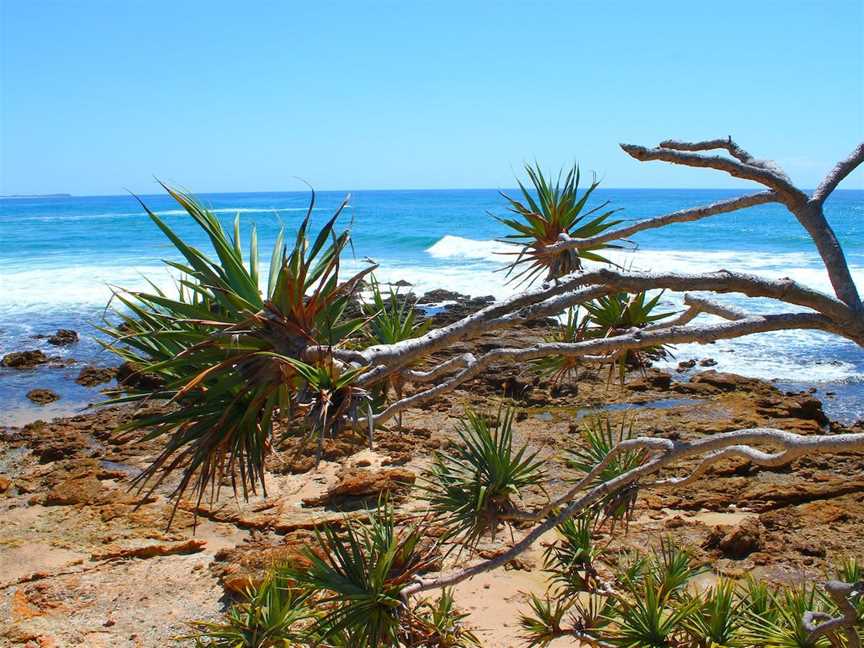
53, 195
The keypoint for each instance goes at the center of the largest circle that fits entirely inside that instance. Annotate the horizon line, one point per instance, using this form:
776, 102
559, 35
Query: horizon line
62, 195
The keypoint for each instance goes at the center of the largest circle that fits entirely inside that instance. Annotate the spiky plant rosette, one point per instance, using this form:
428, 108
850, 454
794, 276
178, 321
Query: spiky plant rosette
620, 312
600, 436
557, 368
478, 481
391, 319
359, 577
547, 213
232, 359
273, 614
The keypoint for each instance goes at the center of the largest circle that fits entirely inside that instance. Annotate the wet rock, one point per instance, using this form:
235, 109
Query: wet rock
63, 337
441, 295
130, 375
42, 396
402, 284
684, 365
739, 541
356, 483
24, 359
92, 376
708, 362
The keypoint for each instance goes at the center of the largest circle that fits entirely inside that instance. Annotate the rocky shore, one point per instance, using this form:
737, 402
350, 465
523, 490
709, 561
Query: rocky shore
84, 561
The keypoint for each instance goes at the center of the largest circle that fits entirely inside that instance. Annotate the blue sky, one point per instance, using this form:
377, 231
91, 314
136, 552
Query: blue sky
98, 97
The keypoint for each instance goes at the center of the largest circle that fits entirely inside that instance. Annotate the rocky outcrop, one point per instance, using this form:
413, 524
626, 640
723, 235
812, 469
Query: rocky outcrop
358, 483
63, 337
91, 376
24, 359
42, 396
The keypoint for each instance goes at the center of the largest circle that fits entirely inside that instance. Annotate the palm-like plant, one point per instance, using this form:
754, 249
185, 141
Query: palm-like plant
359, 577
439, 624
477, 482
717, 618
546, 215
559, 368
232, 359
783, 625
392, 319
600, 436
272, 616
620, 312
571, 558
648, 618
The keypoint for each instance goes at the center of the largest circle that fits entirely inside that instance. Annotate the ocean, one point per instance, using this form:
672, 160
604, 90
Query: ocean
59, 255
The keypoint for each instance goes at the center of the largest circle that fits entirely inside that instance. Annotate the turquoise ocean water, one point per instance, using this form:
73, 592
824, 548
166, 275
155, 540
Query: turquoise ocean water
59, 255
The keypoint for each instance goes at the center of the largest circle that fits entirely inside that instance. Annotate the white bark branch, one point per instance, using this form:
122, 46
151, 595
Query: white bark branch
837, 174
770, 177
667, 453
681, 216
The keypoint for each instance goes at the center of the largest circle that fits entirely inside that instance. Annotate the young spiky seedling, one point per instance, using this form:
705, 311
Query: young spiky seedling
392, 319
474, 484
359, 576
618, 313
546, 212
274, 614
600, 437
556, 368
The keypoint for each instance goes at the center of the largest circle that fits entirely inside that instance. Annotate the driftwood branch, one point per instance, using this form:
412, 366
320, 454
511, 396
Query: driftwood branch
819, 624
664, 454
680, 216
837, 174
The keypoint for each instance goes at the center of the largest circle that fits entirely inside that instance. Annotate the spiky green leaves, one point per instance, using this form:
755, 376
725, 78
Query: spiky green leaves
359, 577
474, 485
600, 438
543, 214
273, 615
231, 359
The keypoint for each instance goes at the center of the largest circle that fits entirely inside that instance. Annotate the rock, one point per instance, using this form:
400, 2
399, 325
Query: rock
92, 376
684, 365
402, 284
739, 541
364, 483
24, 359
63, 337
78, 490
707, 362
129, 374
5, 483
440, 295
728, 381
42, 396
150, 551
248, 564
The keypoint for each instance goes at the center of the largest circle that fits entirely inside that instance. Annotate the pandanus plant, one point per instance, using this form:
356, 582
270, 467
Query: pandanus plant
234, 359
548, 213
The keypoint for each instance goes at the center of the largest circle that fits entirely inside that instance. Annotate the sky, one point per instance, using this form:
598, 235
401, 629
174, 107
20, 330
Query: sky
98, 97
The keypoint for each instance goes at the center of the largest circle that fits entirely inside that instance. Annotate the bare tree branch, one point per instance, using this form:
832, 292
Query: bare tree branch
666, 453
681, 216
837, 174
819, 624
710, 145
772, 178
